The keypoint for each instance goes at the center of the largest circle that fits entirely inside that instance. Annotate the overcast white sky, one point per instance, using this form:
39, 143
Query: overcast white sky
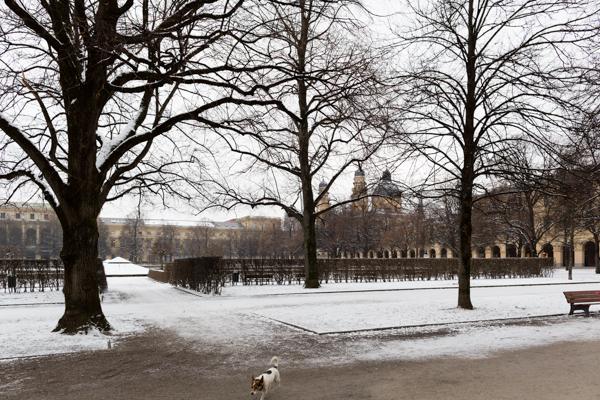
386, 15
342, 189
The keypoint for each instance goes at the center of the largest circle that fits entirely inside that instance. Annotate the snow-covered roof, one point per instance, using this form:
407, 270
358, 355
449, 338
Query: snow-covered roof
161, 222
123, 268
118, 260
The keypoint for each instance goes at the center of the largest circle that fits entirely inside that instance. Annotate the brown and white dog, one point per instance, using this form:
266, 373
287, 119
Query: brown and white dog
267, 380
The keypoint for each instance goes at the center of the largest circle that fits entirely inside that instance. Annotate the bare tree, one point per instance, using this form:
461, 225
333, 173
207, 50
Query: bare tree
523, 206
132, 243
481, 77
325, 81
103, 240
93, 95
166, 246
445, 226
578, 183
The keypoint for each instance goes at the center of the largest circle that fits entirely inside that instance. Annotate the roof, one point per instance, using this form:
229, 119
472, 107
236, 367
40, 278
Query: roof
118, 260
386, 187
161, 222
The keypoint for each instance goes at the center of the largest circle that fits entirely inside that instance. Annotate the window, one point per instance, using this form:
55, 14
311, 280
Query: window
18, 215
46, 217
31, 216
2, 215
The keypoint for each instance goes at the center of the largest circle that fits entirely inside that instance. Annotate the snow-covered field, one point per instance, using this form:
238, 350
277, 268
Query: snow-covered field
245, 316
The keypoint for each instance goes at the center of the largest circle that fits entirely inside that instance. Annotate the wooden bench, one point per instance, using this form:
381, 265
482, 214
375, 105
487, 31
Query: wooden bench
582, 300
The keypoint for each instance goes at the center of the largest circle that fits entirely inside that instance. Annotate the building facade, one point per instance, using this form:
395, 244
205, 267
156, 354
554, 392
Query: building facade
33, 231
377, 226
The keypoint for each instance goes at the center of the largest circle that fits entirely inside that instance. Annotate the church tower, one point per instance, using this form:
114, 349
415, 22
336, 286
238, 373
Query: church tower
324, 202
359, 189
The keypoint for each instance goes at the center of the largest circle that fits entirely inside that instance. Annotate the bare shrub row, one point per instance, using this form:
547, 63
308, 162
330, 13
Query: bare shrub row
210, 274
25, 275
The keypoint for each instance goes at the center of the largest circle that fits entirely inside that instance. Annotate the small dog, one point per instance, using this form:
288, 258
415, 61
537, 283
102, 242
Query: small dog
265, 381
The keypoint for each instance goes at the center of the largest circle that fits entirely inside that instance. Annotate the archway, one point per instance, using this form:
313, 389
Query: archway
432, 253
548, 250
511, 250
589, 254
495, 252
444, 253
394, 253
386, 254
371, 254
481, 252
568, 252
403, 254
412, 254
421, 253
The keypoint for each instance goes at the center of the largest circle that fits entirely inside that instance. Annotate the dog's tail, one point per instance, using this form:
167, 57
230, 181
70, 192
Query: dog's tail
275, 361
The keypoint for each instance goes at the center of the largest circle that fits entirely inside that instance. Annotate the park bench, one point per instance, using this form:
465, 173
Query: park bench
582, 300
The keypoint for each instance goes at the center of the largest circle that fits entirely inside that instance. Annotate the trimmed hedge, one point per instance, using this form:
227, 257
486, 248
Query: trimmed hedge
202, 274
210, 274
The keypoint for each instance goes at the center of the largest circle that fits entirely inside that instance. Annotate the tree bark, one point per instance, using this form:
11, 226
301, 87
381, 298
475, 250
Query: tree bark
466, 230
82, 301
570, 259
310, 251
468, 172
597, 252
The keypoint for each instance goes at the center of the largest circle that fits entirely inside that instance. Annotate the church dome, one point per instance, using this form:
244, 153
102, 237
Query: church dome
386, 187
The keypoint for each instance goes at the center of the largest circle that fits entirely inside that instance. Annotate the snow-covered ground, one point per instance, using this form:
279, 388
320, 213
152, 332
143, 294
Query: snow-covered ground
245, 317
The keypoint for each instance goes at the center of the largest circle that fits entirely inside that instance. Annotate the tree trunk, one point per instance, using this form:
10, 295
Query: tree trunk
468, 172
533, 248
597, 252
464, 266
310, 251
82, 301
571, 253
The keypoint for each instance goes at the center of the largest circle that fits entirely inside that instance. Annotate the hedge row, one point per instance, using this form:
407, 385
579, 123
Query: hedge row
25, 275
203, 274
210, 274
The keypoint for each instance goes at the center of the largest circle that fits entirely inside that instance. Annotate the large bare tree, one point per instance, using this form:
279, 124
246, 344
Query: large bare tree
481, 76
325, 80
93, 95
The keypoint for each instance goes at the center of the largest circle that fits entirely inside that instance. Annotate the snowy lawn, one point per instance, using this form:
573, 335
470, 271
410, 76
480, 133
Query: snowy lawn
238, 321
345, 312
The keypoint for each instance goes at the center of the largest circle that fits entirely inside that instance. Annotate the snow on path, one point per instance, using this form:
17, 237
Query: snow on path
233, 324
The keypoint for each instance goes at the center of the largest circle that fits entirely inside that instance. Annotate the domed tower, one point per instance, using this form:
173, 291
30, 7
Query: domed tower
387, 195
359, 189
324, 202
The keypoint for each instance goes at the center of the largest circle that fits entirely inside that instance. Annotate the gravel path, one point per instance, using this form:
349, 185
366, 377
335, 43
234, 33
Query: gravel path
158, 365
